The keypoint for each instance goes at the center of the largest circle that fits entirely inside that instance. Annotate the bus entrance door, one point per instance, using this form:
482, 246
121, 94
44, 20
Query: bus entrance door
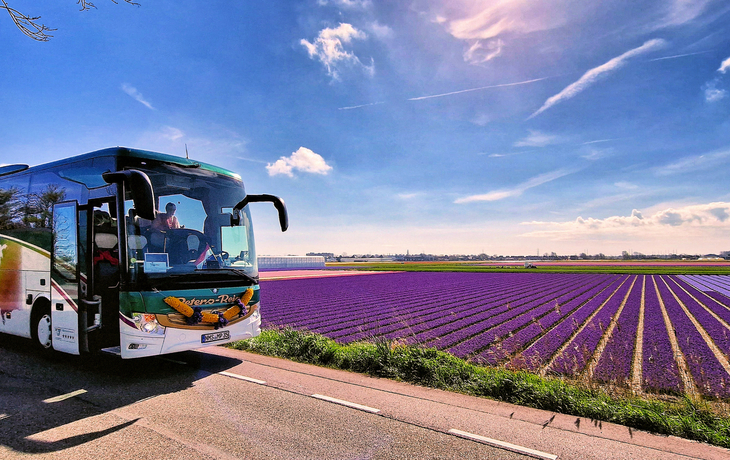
65, 279
100, 321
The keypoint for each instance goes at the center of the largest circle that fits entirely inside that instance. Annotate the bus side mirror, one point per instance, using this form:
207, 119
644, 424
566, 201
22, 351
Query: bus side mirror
278, 204
139, 184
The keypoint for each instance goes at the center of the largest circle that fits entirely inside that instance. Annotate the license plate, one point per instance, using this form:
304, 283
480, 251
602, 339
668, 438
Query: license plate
215, 336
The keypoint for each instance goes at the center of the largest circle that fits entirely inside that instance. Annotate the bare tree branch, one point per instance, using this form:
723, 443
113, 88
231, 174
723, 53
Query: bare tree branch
85, 5
27, 24
30, 26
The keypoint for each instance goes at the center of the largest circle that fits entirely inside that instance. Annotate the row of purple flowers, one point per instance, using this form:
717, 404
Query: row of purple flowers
554, 323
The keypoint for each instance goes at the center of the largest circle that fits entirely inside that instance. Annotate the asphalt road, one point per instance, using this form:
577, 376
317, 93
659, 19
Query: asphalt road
226, 404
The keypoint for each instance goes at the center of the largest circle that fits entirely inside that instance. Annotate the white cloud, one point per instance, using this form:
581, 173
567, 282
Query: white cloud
691, 219
724, 66
537, 139
303, 160
132, 91
481, 22
329, 49
593, 75
497, 195
488, 19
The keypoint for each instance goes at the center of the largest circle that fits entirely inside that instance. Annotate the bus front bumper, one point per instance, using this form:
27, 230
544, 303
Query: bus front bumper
137, 344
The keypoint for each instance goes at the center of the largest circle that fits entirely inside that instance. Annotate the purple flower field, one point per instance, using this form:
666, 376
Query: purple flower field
670, 333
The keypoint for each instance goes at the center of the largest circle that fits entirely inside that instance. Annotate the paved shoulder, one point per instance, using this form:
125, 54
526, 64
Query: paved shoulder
539, 433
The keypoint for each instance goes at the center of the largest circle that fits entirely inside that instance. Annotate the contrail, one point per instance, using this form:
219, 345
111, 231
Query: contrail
678, 56
360, 106
478, 89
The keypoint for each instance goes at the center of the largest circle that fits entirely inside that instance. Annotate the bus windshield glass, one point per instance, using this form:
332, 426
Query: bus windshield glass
192, 241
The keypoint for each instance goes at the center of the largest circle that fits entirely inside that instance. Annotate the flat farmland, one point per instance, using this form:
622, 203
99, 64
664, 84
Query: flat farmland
650, 333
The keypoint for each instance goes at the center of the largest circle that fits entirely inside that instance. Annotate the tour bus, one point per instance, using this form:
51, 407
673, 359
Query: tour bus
129, 251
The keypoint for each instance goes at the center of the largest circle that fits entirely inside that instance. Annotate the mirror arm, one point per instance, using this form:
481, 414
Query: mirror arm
278, 204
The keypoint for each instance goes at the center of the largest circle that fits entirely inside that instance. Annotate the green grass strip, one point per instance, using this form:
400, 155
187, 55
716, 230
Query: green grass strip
542, 268
686, 418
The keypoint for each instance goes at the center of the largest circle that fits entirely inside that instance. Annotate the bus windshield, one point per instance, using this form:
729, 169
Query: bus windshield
191, 242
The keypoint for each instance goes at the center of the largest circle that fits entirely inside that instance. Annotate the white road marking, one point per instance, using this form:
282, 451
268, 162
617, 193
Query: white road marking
347, 403
242, 377
503, 445
4, 416
64, 397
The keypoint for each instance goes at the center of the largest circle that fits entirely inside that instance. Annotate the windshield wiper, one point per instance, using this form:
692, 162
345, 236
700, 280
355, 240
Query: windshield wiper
238, 272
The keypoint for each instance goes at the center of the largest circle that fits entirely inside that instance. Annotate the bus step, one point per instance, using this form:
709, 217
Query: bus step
113, 350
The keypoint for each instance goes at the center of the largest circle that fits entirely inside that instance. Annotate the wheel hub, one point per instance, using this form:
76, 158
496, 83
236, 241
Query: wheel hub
44, 331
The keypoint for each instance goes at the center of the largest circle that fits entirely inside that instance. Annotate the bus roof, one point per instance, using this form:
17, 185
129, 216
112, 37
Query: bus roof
140, 154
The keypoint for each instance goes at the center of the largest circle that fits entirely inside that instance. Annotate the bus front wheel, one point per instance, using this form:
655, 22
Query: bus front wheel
41, 329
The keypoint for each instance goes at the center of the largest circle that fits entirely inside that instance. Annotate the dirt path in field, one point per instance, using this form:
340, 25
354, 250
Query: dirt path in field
637, 368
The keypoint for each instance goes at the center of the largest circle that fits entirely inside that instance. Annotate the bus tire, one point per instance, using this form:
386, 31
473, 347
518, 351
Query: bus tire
40, 328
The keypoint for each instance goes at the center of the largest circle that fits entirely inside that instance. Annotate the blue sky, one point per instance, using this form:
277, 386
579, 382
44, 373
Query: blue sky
454, 127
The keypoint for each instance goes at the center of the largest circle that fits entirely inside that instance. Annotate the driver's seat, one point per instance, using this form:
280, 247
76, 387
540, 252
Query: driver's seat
193, 247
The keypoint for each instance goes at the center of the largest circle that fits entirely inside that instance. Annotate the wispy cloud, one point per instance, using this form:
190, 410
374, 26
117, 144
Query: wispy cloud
680, 12
136, 95
597, 73
329, 49
694, 163
497, 195
538, 139
380, 31
503, 85
712, 93
171, 133
626, 185
356, 4
479, 52
303, 160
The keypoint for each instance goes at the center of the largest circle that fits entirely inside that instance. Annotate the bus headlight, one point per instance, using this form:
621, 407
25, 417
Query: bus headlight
147, 322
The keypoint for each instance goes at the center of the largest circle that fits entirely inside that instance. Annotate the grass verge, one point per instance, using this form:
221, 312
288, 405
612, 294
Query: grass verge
686, 418
542, 267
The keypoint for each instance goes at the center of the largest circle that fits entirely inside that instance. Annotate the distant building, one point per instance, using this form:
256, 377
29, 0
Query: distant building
284, 262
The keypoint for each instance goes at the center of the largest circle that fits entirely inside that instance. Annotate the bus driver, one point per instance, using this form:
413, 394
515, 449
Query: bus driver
166, 220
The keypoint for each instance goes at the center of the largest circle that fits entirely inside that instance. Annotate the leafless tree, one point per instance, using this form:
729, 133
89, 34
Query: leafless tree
30, 26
